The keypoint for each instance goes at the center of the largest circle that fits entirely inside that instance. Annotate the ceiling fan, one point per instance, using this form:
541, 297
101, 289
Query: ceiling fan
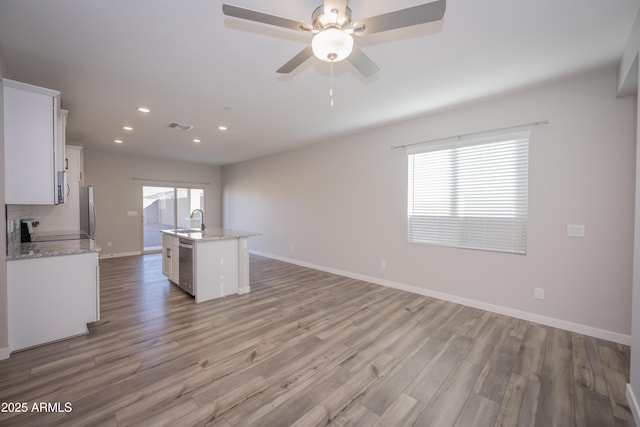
332, 28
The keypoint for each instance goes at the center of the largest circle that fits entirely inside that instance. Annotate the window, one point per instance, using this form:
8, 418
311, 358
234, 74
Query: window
168, 208
470, 193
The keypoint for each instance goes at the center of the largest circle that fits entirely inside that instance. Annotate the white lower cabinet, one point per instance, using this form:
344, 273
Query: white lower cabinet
171, 258
51, 298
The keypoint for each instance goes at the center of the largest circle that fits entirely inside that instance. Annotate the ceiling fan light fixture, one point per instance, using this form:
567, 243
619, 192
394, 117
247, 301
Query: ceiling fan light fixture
332, 45
331, 24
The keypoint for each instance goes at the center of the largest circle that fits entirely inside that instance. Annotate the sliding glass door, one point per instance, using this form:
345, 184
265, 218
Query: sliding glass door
187, 200
167, 208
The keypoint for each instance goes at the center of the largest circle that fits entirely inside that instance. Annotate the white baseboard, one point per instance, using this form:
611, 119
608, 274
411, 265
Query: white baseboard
507, 311
119, 254
4, 353
244, 290
633, 404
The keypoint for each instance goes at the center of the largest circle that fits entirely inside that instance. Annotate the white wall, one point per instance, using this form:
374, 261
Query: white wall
627, 70
4, 325
117, 191
341, 206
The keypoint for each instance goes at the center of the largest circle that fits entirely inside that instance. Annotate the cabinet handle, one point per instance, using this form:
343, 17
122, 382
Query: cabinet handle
66, 164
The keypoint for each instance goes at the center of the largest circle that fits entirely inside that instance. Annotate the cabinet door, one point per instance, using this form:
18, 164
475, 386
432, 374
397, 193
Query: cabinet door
29, 138
60, 152
175, 263
170, 257
51, 298
71, 208
166, 260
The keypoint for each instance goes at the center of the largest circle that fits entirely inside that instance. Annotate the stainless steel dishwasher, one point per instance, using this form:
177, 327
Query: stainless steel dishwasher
185, 277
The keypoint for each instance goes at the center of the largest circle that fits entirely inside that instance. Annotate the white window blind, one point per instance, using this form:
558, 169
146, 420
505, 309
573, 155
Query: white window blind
470, 193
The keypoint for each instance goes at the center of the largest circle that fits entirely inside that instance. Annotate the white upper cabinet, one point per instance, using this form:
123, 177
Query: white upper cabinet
62, 159
33, 145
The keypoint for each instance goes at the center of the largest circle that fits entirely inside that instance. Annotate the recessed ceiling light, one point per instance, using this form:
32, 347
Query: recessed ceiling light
222, 128
127, 128
196, 140
117, 141
144, 110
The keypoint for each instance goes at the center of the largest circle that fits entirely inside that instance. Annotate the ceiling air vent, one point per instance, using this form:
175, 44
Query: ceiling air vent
180, 126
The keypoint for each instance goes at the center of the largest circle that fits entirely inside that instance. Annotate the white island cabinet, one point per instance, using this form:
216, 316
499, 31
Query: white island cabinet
51, 298
219, 261
170, 258
215, 269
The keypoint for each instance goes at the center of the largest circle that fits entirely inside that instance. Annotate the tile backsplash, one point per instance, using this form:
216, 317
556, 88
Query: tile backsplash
60, 218
13, 233
14, 214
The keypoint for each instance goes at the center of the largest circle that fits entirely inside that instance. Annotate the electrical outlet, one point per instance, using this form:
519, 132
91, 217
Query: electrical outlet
575, 230
383, 264
538, 293
109, 244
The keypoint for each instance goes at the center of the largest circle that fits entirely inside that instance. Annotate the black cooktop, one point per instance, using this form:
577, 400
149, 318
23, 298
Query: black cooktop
60, 237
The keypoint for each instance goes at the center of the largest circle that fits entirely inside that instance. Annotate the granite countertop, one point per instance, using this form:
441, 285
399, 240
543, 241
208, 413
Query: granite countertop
197, 235
47, 249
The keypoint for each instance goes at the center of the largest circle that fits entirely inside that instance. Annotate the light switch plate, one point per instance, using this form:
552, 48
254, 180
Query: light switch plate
575, 230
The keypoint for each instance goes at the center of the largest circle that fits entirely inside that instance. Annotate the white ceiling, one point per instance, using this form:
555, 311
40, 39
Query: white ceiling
189, 63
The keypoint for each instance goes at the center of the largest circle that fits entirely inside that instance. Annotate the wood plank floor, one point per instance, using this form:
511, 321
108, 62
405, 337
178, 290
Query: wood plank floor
309, 348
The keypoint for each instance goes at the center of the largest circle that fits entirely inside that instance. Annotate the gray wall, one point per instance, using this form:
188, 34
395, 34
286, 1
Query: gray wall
627, 72
118, 180
4, 327
341, 206
634, 383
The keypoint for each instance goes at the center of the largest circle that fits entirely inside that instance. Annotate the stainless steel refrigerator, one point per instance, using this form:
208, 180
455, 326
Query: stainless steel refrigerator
87, 212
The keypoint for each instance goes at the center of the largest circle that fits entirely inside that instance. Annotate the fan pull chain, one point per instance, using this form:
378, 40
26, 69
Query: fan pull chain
331, 84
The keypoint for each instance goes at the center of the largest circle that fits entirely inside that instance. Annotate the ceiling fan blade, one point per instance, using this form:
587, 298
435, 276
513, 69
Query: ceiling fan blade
252, 15
362, 62
402, 18
339, 5
297, 60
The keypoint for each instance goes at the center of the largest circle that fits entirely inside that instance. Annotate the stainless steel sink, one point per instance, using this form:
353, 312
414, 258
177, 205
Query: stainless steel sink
190, 233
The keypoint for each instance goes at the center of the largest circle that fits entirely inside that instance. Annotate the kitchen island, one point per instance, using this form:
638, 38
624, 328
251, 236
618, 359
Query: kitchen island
208, 264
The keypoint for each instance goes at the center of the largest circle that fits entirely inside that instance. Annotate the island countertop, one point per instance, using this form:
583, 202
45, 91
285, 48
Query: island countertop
197, 235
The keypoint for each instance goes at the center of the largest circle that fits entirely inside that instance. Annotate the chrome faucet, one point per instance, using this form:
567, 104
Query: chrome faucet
202, 227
